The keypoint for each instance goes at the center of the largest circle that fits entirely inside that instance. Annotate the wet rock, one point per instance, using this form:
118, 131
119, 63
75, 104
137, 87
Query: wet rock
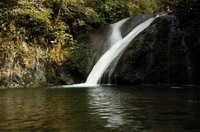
66, 79
156, 56
133, 22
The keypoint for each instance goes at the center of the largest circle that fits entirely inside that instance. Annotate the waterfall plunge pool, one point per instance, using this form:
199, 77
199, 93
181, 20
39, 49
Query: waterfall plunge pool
101, 109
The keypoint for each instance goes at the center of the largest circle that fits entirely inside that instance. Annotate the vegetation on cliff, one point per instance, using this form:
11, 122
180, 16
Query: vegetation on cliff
43, 40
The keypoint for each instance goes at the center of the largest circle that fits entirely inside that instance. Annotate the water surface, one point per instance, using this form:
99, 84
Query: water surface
101, 109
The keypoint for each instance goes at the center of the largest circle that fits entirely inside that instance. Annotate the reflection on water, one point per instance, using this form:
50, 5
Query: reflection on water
17, 106
107, 105
146, 109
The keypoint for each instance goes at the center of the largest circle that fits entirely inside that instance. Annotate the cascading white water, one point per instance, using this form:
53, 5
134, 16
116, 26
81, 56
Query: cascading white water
114, 53
114, 37
115, 33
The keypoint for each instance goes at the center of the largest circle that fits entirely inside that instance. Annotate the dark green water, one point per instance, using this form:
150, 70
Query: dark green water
102, 109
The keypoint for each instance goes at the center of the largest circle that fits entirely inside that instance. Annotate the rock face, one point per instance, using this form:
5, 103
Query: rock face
132, 23
162, 54
156, 56
102, 39
31, 66
22, 67
98, 42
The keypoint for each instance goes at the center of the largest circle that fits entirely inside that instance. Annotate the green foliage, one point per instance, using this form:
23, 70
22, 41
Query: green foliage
52, 72
148, 6
36, 13
39, 21
77, 58
61, 26
113, 10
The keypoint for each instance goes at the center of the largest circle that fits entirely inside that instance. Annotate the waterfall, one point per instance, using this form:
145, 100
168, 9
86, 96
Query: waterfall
114, 53
114, 37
